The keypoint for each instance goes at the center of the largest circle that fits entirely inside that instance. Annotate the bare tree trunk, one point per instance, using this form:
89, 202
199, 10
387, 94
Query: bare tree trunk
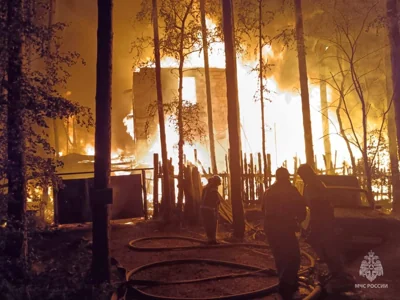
391, 131
16, 243
181, 141
52, 4
305, 99
102, 167
160, 106
264, 152
394, 38
325, 119
208, 88
74, 144
339, 117
233, 120
344, 136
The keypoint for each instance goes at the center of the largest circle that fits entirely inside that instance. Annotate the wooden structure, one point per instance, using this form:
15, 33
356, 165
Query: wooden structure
254, 181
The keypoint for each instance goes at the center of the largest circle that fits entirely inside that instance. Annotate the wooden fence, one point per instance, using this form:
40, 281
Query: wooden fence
253, 179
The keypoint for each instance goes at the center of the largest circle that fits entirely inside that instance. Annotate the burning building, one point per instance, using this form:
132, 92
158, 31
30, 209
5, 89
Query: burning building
146, 132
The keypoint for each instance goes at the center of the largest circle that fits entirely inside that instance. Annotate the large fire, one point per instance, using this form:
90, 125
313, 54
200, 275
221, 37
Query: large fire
283, 116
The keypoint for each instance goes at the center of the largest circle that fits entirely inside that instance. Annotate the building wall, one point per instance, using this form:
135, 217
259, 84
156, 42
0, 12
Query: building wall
145, 95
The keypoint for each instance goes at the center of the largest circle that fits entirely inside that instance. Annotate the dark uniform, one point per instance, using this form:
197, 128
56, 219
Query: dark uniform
321, 232
209, 209
321, 229
284, 209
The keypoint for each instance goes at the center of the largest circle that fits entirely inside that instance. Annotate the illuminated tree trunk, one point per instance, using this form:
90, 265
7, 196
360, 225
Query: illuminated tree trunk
305, 99
102, 195
394, 38
181, 141
325, 119
391, 131
208, 87
160, 106
264, 152
233, 120
52, 4
16, 243
338, 114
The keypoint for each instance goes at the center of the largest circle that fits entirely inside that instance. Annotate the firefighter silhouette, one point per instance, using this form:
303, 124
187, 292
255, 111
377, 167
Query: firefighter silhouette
211, 199
284, 210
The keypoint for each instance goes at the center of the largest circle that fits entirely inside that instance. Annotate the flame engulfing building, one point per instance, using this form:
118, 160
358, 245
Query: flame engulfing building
146, 129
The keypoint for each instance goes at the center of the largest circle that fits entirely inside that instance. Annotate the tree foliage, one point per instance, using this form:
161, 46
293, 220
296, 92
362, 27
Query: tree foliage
44, 78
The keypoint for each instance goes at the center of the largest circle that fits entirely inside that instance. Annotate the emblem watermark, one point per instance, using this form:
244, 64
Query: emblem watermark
371, 267
371, 285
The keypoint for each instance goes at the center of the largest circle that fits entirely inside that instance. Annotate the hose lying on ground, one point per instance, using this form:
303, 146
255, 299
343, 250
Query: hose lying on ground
138, 285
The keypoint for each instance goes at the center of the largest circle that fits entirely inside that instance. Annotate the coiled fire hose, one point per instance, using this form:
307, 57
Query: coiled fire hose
135, 284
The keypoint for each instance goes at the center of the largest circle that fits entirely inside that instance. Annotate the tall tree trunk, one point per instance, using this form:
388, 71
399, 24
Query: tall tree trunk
208, 88
181, 141
16, 243
325, 119
233, 119
161, 120
52, 9
366, 163
394, 38
305, 99
339, 117
102, 166
344, 136
391, 131
75, 144
264, 152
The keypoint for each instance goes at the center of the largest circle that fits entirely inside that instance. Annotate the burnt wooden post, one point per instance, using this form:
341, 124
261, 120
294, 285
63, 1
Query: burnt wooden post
55, 203
189, 208
251, 177
172, 183
242, 166
269, 169
261, 177
195, 156
146, 216
197, 189
295, 170
246, 177
155, 185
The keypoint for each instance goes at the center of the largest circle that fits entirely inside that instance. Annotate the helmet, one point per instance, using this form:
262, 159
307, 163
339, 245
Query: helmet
305, 171
282, 174
217, 180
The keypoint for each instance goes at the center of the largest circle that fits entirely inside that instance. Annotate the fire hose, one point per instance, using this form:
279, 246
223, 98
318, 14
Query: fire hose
137, 285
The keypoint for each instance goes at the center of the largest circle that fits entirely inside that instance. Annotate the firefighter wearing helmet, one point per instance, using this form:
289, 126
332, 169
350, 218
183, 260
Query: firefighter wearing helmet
284, 210
321, 232
211, 199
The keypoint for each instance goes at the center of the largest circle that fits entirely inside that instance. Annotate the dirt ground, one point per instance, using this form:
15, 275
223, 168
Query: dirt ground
77, 237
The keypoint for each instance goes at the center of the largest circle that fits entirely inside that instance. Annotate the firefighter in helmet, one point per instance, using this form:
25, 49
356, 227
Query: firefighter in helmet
321, 233
284, 210
211, 199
